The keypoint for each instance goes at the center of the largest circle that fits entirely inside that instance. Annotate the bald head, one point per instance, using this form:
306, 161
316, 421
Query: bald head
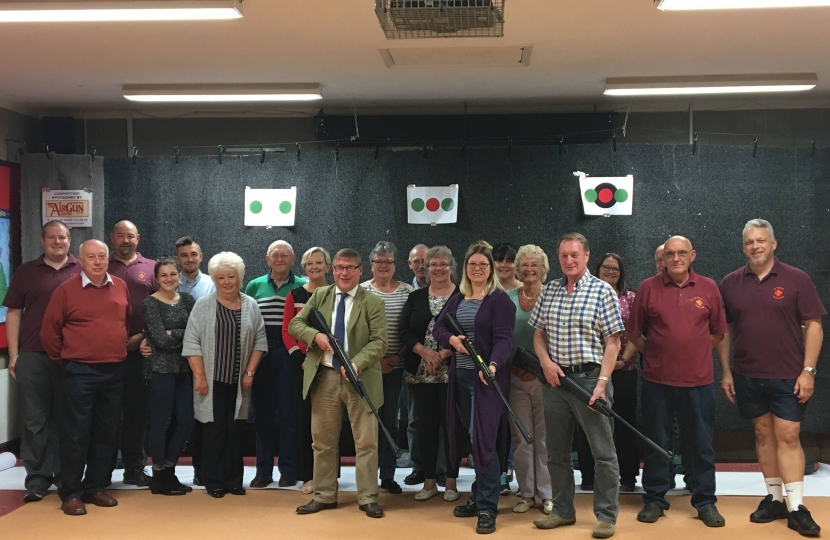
658, 259
678, 256
124, 238
93, 246
125, 224
94, 259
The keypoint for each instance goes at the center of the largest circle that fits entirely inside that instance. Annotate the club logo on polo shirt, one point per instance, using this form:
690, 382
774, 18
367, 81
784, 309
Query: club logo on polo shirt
778, 293
141, 276
699, 302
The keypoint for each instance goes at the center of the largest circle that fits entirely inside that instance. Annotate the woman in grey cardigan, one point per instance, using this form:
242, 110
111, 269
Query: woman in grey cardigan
224, 342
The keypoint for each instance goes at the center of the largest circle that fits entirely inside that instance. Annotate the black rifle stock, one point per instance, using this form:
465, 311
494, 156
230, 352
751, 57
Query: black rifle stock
484, 369
529, 362
316, 320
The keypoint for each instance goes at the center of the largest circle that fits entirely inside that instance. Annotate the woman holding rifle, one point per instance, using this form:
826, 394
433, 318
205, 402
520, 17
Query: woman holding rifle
486, 314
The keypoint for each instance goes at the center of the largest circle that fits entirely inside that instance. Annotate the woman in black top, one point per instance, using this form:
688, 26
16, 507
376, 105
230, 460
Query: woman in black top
171, 388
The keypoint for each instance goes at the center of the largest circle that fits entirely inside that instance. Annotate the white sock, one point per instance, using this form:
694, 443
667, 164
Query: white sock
775, 488
795, 493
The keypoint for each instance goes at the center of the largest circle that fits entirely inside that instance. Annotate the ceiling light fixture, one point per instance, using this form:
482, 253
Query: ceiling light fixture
115, 10
710, 84
691, 5
205, 93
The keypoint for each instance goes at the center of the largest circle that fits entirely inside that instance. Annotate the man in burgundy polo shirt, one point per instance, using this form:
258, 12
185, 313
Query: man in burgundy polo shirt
682, 315
774, 367
138, 273
38, 377
85, 329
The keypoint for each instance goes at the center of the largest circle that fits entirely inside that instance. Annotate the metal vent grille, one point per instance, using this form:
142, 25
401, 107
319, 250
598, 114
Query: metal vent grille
419, 19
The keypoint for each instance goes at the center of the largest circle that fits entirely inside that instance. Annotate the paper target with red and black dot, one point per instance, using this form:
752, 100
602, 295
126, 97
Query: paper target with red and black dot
270, 207
607, 196
432, 205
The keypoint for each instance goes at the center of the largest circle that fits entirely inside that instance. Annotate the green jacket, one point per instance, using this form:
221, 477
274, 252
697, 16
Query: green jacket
367, 338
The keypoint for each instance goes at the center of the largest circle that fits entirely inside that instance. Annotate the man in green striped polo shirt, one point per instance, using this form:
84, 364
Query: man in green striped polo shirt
271, 390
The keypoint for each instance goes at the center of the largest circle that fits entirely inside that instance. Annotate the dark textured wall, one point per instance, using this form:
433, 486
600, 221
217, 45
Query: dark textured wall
531, 197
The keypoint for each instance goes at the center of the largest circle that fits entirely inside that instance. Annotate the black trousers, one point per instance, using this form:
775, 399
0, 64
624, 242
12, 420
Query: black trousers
627, 444
171, 416
221, 456
430, 402
89, 431
134, 413
304, 455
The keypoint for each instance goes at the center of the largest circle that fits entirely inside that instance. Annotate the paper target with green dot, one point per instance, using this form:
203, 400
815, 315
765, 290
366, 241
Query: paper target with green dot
270, 207
432, 205
607, 196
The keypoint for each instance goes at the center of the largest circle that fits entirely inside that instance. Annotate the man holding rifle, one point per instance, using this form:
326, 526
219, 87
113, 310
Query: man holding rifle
578, 324
358, 321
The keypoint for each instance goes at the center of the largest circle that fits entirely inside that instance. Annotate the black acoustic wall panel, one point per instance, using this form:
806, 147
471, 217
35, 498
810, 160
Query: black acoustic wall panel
530, 197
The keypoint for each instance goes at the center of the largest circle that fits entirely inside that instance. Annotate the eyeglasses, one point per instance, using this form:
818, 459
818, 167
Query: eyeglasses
380, 262
349, 269
435, 266
482, 266
281, 256
614, 269
670, 254
534, 266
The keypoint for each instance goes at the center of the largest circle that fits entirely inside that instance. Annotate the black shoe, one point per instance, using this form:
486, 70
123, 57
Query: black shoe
197, 479
414, 478
672, 483
587, 484
373, 510
187, 489
710, 516
769, 510
465, 510
288, 479
391, 486
315, 506
216, 493
802, 521
440, 479
627, 486
486, 524
261, 481
238, 490
137, 477
33, 494
650, 513
162, 483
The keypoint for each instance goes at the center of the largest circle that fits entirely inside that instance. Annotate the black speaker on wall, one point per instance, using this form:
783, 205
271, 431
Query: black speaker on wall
59, 134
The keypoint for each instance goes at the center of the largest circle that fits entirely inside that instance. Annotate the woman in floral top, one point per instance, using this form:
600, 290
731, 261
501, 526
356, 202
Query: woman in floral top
425, 365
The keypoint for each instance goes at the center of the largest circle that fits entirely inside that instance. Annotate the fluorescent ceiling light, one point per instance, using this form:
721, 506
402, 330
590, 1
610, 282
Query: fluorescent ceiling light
202, 93
689, 5
712, 84
115, 10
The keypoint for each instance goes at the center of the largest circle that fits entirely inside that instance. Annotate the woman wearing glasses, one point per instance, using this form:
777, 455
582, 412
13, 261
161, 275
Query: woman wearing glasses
486, 315
531, 460
624, 380
394, 294
316, 262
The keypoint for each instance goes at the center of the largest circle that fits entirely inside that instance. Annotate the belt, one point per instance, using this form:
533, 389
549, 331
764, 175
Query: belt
580, 368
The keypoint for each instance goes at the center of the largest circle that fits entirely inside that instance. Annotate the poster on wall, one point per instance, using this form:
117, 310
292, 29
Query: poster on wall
432, 205
72, 206
606, 196
5, 244
270, 207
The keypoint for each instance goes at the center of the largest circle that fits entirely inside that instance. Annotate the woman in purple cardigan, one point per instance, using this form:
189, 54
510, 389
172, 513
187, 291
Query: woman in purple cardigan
487, 316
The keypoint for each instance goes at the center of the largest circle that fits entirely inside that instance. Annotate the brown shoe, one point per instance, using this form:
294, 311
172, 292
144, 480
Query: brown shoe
315, 506
73, 507
101, 499
373, 510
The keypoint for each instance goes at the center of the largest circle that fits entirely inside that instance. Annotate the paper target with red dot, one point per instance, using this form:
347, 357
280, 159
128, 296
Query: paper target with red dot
607, 196
432, 205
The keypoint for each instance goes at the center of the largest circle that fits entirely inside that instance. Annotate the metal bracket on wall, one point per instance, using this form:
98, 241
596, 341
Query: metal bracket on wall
694, 144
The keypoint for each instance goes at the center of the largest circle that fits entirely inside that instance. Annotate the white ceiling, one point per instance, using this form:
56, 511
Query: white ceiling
80, 67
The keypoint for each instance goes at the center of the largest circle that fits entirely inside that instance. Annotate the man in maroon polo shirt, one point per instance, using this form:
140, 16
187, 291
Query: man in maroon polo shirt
682, 315
38, 377
774, 366
85, 329
138, 273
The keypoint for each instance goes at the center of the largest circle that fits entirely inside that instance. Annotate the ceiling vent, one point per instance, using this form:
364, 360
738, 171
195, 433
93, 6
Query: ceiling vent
420, 19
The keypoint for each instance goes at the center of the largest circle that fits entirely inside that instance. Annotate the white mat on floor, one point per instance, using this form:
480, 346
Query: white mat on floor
729, 483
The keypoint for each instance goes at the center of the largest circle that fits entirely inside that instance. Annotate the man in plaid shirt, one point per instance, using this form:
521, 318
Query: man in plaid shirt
578, 324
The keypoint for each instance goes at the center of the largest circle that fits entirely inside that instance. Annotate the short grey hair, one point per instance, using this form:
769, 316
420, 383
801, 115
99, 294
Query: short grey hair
311, 251
385, 248
227, 259
416, 247
276, 243
441, 252
761, 224
535, 252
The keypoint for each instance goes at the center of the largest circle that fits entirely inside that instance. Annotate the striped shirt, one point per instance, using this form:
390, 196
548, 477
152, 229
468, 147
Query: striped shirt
466, 317
577, 324
393, 303
271, 301
228, 344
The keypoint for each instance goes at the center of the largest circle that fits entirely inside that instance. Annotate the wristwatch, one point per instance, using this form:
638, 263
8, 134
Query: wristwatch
811, 371
603, 378
250, 373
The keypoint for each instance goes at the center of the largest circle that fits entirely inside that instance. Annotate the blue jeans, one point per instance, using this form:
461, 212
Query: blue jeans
392, 383
695, 409
271, 395
171, 416
486, 488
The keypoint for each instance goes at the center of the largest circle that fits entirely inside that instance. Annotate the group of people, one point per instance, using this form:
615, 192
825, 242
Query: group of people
106, 344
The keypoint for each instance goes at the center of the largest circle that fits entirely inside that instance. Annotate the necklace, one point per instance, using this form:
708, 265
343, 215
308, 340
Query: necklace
528, 297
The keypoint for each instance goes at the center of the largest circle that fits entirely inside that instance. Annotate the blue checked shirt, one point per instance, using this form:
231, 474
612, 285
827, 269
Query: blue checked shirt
577, 325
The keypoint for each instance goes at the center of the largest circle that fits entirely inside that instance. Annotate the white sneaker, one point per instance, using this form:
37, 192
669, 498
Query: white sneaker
426, 494
451, 495
547, 506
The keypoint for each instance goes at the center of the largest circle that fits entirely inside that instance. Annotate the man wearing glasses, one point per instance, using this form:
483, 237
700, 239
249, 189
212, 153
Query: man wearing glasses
682, 315
357, 319
271, 392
